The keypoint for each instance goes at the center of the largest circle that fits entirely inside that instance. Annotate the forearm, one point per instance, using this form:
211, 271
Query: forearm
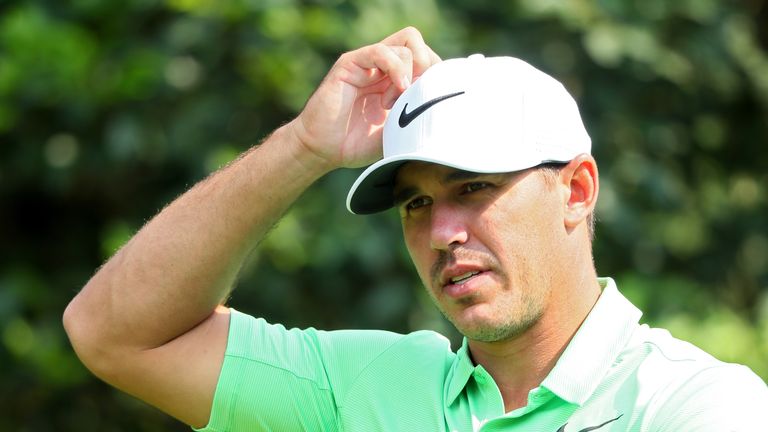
173, 273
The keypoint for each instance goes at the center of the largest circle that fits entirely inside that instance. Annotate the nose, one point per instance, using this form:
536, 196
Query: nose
448, 227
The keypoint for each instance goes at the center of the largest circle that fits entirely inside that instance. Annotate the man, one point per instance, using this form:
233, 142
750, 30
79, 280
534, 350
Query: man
488, 163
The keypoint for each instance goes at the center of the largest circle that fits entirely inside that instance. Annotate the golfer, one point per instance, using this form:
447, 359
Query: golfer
488, 164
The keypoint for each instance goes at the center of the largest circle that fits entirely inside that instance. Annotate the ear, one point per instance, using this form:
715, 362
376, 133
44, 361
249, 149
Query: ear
582, 186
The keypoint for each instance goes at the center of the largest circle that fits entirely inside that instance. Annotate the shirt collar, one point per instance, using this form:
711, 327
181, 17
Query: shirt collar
595, 346
586, 359
457, 378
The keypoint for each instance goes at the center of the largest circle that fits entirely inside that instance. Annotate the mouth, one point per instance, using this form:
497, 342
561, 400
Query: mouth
460, 274
463, 278
464, 284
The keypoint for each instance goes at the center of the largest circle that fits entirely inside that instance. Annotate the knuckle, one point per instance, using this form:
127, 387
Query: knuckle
344, 57
381, 49
383, 53
412, 31
404, 53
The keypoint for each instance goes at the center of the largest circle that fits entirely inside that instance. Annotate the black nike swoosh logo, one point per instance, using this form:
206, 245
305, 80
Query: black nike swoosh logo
406, 118
562, 428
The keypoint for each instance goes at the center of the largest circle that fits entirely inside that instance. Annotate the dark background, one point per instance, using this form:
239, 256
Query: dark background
108, 110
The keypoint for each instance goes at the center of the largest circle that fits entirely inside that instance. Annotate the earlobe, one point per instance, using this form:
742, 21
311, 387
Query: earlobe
583, 186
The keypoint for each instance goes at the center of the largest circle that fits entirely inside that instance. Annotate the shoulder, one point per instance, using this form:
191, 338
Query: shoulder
255, 338
248, 334
342, 354
378, 355
406, 378
659, 347
665, 360
689, 389
720, 397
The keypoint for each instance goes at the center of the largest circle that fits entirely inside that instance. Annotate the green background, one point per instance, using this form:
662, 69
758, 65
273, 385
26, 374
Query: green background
108, 110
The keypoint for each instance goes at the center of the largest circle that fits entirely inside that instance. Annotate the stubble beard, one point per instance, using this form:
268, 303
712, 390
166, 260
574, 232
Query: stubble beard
514, 319
512, 324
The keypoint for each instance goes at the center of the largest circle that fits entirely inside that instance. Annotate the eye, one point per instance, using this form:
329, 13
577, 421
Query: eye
474, 187
417, 203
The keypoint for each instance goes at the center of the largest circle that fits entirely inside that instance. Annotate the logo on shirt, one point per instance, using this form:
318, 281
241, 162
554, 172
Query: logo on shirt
591, 428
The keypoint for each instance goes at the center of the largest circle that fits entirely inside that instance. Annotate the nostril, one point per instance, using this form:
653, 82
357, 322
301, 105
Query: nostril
445, 236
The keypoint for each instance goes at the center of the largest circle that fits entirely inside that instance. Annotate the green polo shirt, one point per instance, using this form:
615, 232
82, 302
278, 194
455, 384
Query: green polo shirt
614, 375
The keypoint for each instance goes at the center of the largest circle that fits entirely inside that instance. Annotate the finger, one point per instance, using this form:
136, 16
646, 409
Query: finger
406, 58
369, 64
411, 38
389, 97
433, 57
391, 92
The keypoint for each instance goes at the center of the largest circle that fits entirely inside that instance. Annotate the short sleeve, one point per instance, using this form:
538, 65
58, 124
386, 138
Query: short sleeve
278, 379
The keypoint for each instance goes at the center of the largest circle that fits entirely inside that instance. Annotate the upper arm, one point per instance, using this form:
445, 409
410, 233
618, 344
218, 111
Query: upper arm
179, 377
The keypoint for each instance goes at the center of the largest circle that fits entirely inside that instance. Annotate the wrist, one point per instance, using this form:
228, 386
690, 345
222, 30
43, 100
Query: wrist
313, 161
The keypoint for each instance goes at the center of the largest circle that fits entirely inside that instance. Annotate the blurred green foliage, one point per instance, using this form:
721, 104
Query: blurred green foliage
108, 110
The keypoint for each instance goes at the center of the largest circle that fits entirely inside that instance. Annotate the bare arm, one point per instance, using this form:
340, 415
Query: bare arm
149, 321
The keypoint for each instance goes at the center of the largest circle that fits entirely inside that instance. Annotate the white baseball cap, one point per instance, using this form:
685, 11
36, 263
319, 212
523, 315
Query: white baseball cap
478, 114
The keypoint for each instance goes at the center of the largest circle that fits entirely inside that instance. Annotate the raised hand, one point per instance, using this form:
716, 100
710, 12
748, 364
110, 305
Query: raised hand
342, 121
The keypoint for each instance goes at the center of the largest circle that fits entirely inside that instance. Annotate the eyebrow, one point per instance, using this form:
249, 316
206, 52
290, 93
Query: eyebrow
461, 175
404, 194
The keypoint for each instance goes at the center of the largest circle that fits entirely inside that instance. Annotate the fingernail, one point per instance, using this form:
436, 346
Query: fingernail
406, 82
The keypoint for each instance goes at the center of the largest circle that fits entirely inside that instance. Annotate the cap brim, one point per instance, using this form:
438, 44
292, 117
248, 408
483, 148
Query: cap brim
372, 192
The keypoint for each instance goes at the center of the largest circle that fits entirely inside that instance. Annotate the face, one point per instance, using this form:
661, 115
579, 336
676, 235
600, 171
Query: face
483, 244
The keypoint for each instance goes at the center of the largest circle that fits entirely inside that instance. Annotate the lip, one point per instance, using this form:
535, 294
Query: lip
457, 290
457, 270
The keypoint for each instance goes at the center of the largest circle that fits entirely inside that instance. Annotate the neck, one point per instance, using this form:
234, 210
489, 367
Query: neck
521, 363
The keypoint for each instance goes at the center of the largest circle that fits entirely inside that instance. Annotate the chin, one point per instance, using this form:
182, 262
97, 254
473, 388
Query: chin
482, 330
489, 330
488, 335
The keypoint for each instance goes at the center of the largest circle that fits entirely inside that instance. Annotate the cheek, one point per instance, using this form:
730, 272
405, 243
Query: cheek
418, 249
522, 229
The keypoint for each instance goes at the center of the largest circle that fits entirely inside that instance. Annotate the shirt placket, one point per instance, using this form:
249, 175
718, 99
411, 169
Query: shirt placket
486, 402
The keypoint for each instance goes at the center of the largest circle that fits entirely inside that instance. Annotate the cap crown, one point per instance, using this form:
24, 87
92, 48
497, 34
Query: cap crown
478, 114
